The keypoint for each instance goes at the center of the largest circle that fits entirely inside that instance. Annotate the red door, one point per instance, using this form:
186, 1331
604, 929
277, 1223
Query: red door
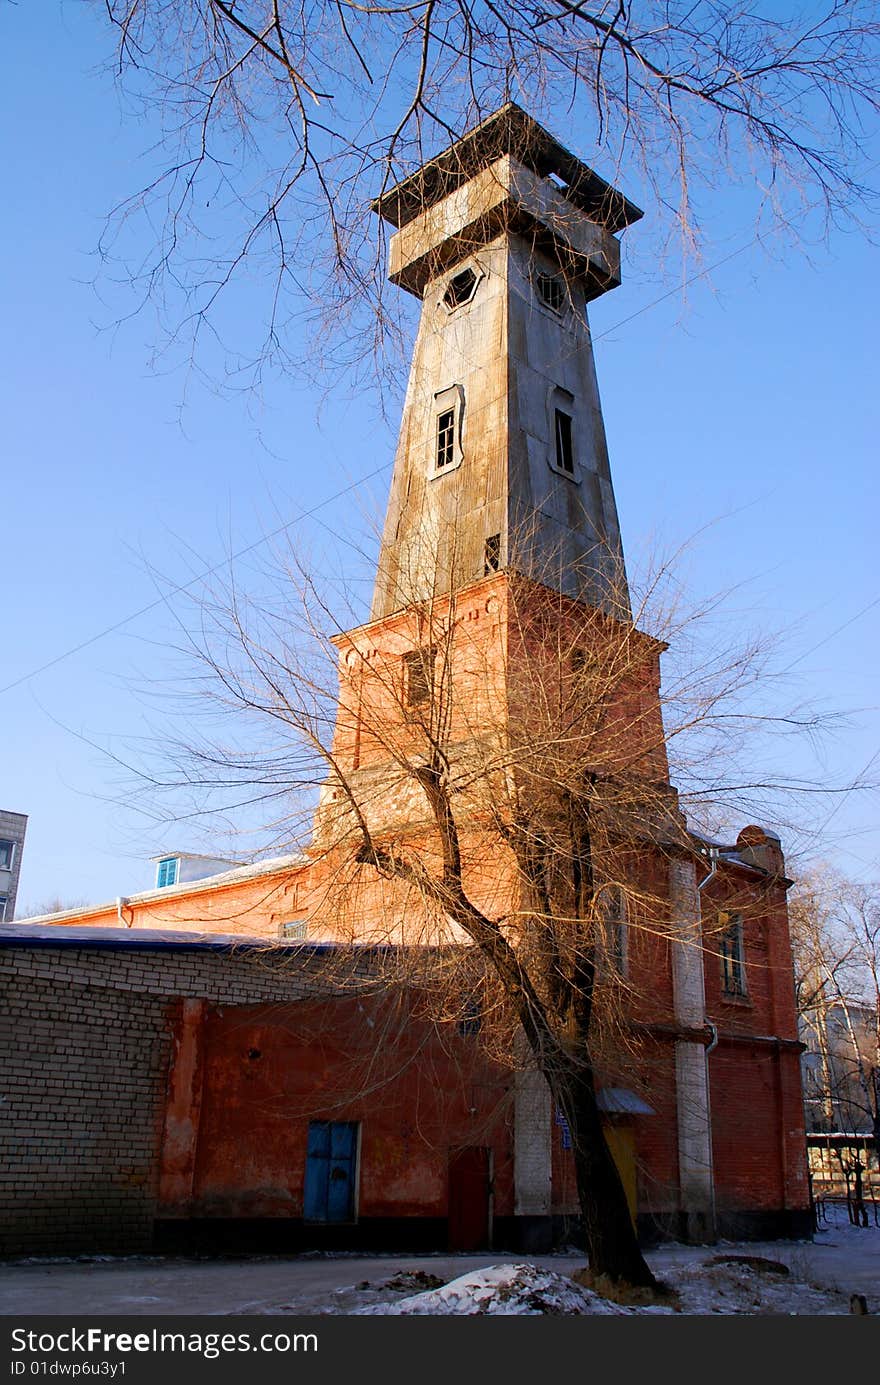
469, 1199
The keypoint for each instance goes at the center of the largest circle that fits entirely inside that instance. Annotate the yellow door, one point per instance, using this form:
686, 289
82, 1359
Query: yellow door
621, 1141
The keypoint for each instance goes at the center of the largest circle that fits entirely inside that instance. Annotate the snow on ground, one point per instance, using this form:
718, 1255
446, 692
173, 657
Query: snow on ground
526, 1290
501, 1290
728, 1279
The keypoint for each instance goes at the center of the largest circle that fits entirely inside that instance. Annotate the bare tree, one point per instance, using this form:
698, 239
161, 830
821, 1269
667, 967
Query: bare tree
836, 936
281, 121
494, 801
56, 904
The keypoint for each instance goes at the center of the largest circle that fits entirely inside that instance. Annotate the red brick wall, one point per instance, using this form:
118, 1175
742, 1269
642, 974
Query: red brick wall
265, 1071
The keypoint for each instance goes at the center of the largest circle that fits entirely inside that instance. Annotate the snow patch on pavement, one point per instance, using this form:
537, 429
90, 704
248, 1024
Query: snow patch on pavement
502, 1290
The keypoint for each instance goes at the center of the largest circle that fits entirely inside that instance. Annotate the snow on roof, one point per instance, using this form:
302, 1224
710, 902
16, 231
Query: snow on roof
195, 856
69, 935
209, 882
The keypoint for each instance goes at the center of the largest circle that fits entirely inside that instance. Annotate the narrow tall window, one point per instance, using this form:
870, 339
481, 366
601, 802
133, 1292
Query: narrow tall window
564, 449
7, 854
418, 676
733, 970
445, 438
492, 554
614, 926
4, 905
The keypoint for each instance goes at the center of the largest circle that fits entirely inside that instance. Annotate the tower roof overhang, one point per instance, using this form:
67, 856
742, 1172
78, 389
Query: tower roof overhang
512, 131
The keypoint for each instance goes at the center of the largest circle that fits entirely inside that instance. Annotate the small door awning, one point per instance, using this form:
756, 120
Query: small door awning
620, 1101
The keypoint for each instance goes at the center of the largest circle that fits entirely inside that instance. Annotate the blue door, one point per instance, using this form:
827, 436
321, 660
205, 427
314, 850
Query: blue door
331, 1160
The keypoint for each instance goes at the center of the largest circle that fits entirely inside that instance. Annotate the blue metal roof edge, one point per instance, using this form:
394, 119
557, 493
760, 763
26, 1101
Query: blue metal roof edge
166, 944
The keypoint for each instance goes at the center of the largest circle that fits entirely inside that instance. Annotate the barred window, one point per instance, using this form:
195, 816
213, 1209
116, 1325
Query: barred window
296, 928
551, 291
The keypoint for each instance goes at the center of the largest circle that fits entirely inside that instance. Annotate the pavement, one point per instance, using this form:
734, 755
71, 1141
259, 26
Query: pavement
840, 1257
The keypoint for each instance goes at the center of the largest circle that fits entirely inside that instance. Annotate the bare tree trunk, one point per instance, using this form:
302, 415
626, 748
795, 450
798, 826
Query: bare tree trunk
612, 1243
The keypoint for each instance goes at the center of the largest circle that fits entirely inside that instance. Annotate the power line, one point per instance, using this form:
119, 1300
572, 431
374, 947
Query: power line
834, 633
355, 485
193, 581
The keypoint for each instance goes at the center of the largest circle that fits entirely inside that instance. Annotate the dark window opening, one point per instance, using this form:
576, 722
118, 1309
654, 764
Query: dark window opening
471, 1021
7, 854
460, 288
564, 448
733, 971
492, 554
551, 291
419, 675
445, 438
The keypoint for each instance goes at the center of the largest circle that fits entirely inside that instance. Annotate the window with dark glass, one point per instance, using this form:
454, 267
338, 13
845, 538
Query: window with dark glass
733, 970
492, 554
7, 854
564, 449
418, 676
445, 438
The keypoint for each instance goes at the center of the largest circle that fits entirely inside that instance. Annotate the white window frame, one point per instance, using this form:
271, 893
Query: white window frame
450, 400
478, 274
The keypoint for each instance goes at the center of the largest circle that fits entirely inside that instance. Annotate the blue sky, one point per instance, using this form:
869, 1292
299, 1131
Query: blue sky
752, 401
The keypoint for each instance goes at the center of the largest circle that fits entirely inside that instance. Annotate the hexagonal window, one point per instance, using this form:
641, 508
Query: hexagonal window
460, 288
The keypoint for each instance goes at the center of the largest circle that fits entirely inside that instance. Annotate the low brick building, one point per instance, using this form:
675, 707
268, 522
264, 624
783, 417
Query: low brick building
162, 1092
